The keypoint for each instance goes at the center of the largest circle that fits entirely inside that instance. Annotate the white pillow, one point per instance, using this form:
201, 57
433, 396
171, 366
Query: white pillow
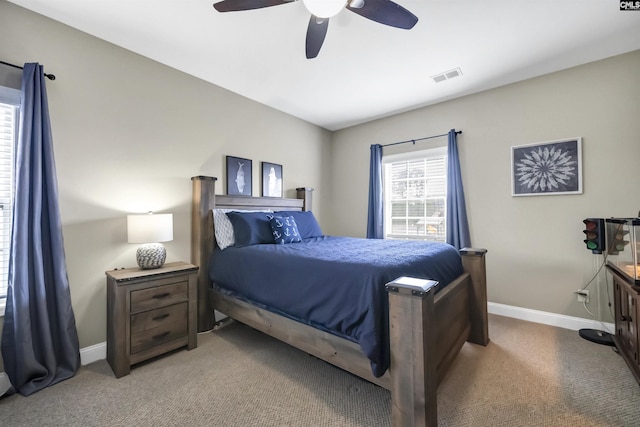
223, 228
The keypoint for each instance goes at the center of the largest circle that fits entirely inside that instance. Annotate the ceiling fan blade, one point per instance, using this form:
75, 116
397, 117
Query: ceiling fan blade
237, 5
316, 32
385, 12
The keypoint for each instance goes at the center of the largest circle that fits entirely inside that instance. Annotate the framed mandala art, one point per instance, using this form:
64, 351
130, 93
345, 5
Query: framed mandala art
547, 168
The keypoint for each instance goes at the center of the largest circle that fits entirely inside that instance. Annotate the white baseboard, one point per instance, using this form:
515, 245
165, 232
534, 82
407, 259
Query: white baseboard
546, 318
99, 351
93, 353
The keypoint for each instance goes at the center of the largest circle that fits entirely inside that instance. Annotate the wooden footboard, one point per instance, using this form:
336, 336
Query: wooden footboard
473, 262
427, 329
426, 333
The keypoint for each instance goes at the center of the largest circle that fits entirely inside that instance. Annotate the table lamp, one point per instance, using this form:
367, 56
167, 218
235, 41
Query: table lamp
150, 229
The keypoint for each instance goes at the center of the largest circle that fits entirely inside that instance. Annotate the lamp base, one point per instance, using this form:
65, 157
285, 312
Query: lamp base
151, 255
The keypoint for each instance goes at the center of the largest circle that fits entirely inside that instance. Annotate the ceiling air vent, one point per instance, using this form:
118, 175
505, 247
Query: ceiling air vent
456, 72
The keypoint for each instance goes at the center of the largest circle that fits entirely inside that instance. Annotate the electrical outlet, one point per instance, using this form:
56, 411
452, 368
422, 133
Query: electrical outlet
583, 295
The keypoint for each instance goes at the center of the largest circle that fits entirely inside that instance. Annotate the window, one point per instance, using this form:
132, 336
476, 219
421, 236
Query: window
415, 194
9, 115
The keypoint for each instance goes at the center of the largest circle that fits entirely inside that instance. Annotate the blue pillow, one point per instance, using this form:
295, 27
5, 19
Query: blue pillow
284, 230
307, 224
251, 228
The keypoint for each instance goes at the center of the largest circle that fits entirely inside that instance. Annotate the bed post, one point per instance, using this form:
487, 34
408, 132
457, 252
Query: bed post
414, 378
473, 262
202, 201
304, 193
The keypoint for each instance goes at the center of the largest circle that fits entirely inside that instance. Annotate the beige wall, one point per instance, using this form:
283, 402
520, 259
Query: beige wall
536, 254
128, 135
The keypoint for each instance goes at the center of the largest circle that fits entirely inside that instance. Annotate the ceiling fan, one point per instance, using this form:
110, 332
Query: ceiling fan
382, 11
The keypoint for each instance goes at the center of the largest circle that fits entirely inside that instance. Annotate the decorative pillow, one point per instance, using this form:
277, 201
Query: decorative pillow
307, 224
284, 230
251, 228
223, 227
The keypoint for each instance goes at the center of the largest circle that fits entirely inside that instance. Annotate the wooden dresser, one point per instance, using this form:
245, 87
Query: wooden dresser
626, 304
150, 312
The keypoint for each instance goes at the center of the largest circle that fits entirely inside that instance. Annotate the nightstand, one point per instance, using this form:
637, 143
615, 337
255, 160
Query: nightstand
150, 312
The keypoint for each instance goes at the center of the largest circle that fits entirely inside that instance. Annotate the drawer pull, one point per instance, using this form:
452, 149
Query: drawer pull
160, 336
162, 316
160, 296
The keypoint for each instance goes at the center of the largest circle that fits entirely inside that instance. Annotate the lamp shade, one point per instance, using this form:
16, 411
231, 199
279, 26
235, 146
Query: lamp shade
149, 228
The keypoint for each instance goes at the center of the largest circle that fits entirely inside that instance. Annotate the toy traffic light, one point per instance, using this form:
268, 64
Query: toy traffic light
616, 232
594, 233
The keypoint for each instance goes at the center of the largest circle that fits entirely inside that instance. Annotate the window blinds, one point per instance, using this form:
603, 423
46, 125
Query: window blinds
415, 196
8, 133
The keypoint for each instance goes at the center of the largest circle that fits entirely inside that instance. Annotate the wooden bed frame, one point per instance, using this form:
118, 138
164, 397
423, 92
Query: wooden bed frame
427, 329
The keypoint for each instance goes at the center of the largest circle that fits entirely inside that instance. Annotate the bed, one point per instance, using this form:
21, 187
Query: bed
426, 322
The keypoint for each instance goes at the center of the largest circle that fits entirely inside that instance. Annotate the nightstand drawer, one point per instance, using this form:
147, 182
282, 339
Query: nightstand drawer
170, 328
159, 296
159, 317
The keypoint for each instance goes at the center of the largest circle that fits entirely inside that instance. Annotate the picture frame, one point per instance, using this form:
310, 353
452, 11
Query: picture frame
547, 168
271, 180
239, 176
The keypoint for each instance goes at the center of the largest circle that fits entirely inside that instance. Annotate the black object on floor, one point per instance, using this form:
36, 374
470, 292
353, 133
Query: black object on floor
598, 337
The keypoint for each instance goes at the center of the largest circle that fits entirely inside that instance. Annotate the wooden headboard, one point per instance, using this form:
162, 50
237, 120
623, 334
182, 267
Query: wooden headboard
203, 200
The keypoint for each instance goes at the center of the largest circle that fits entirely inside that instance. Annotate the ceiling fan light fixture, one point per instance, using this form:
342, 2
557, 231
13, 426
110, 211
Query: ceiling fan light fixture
324, 8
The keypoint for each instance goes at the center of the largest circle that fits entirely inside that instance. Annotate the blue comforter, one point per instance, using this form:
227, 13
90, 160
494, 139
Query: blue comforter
333, 283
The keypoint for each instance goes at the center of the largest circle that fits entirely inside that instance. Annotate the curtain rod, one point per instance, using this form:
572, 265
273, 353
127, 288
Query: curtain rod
49, 76
420, 139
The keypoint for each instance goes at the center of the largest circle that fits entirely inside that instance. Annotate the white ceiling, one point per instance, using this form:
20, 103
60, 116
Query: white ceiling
365, 70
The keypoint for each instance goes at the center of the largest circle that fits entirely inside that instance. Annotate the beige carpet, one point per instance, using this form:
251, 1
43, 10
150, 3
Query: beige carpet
529, 375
